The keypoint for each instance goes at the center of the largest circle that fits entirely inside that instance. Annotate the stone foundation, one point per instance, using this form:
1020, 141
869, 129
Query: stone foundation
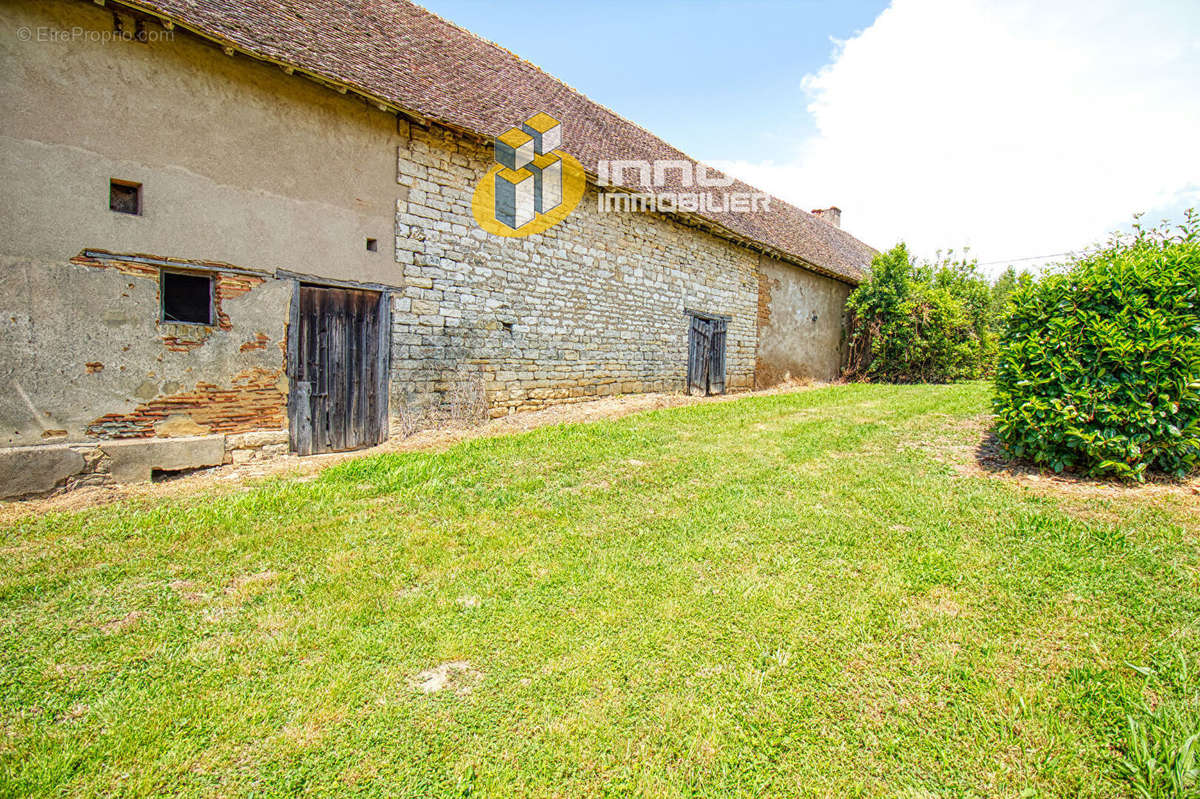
50, 468
259, 445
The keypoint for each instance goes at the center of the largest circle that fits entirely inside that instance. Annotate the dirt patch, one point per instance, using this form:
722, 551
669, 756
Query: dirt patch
233, 477
457, 675
971, 449
187, 590
124, 623
250, 583
69, 669
74, 713
937, 603
313, 729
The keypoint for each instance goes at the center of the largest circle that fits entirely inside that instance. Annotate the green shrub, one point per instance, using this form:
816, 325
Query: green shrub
1099, 365
1002, 291
919, 324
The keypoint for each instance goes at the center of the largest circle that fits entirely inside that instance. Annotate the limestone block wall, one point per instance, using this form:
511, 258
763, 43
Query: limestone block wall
596, 305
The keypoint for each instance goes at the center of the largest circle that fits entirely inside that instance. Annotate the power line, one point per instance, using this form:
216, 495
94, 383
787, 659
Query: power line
1027, 258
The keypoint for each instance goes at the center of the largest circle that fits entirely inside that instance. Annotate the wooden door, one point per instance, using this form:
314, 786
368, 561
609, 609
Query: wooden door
706, 356
716, 362
699, 356
338, 345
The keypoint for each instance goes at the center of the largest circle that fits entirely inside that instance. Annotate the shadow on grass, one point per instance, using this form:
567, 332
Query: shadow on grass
991, 458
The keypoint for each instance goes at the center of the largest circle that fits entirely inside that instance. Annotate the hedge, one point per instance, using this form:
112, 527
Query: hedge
1098, 368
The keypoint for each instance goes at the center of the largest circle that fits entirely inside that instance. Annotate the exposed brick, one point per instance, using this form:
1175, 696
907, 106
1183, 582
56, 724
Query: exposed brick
126, 267
254, 401
259, 342
763, 373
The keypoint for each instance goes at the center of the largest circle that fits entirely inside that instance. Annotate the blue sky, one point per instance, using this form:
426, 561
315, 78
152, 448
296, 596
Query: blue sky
1016, 128
717, 80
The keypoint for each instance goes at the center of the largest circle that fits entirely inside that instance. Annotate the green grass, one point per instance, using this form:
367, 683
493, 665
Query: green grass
775, 596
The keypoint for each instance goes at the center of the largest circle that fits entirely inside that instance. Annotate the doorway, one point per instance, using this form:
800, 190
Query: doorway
706, 355
338, 348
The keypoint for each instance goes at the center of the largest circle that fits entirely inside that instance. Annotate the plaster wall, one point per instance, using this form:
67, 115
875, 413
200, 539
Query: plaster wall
800, 322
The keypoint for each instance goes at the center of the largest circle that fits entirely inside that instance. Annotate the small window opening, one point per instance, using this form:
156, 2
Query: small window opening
187, 298
372, 245
507, 327
125, 197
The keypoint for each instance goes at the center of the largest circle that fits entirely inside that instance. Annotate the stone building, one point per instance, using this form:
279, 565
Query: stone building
235, 228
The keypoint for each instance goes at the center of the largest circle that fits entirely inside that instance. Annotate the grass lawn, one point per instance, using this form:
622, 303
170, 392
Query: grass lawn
780, 595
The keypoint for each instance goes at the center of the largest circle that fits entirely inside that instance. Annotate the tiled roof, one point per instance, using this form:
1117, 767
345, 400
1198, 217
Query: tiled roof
401, 54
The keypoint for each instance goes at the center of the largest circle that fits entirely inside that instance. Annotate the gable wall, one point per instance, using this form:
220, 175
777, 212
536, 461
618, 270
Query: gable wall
240, 163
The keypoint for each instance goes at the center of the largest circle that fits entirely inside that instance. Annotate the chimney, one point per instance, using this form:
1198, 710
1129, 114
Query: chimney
830, 216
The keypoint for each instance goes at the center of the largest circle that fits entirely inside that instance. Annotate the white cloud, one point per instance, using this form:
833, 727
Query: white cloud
1017, 128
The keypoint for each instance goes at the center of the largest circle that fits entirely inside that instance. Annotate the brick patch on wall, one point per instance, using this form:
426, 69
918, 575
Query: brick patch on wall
133, 268
256, 400
259, 342
764, 374
229, 286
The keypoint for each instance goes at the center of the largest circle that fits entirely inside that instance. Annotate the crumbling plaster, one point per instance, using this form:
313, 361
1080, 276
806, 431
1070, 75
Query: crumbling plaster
85, 341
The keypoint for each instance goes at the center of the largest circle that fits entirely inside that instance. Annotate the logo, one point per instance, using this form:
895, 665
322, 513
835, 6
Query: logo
533, 185
653, 175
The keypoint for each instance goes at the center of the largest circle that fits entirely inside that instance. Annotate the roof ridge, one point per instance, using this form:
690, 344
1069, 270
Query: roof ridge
400, 54
580, 93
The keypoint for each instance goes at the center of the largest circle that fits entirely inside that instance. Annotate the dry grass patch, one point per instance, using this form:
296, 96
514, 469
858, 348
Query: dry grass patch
458, 676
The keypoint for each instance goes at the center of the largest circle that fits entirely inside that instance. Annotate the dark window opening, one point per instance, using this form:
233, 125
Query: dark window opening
166, 475
187, 298
372, 245
125, 197
507, 327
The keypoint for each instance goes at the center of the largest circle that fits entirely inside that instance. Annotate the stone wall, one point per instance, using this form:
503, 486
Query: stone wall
49, 468
597, 305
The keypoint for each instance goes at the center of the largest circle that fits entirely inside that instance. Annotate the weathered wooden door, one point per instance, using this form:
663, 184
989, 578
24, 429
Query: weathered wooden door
706, 356
338, 343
